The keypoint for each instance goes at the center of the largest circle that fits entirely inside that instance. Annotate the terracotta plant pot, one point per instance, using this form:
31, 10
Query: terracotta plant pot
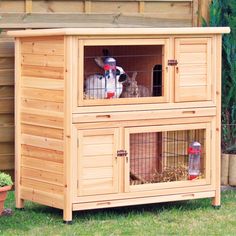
232, 170
224, 169
3, 195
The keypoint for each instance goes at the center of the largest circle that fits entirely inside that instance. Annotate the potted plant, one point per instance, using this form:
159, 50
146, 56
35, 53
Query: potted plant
5, 185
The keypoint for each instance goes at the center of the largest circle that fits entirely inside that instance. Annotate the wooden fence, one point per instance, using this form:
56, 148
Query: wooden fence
21, 14
6, 104
108, 13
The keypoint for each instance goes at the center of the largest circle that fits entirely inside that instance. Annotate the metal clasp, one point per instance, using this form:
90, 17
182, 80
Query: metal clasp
122, 153
172, 62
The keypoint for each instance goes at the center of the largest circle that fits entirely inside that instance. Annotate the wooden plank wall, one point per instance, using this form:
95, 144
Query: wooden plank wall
80, 13
6, 104
42, 120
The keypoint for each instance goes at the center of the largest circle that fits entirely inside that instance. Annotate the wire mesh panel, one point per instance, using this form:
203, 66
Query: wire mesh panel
157, 157
136, 72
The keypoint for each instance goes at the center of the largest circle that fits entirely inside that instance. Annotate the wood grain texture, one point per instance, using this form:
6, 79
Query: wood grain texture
115, 32
95, 13
42, 196
100, 145
7, 104
42, 153
7, 162
41, 120
28, 6
203, 11
19, 200
42, 131
194, 69
141, 200
42, 71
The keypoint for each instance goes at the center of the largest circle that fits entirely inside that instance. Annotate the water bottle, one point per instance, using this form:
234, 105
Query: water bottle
194, 152
110, 77
110, 67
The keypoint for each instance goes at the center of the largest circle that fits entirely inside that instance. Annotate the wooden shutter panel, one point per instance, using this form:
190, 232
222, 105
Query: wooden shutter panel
193, 72
97, 164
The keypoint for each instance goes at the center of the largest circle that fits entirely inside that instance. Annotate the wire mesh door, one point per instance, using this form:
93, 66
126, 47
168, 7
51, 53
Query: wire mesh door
167, 156
137, 71
122, 69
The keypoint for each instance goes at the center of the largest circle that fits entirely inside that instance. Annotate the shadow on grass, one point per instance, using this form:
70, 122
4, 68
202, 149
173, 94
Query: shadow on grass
35, 215
157, 208
108, 213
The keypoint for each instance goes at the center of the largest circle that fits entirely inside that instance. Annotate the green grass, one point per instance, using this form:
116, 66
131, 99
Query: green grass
195, 217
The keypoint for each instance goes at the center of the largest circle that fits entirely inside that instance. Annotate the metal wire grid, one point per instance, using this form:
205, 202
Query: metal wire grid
155, 86
163, 156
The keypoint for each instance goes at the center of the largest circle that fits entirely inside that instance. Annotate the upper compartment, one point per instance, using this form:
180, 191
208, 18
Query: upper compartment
136, 66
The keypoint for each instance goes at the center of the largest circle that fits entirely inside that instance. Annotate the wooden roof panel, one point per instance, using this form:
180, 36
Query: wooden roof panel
121, 31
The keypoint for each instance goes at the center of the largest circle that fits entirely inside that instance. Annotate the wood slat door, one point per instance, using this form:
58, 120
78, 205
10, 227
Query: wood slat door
193, 72
97, 162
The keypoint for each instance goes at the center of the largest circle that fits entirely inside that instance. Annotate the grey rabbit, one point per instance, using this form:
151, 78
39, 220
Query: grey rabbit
131, 89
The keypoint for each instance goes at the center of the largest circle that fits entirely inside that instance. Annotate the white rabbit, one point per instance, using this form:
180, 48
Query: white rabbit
98, 86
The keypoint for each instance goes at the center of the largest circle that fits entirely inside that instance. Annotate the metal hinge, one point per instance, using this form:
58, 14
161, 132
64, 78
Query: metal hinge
172, 62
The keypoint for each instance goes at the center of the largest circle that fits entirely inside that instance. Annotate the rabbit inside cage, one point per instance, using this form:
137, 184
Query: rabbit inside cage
123, 71
157, 157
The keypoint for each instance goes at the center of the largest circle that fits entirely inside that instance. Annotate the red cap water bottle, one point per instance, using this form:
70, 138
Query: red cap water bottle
194, 152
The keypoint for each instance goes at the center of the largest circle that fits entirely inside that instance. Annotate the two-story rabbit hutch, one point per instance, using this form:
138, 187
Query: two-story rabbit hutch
94, 135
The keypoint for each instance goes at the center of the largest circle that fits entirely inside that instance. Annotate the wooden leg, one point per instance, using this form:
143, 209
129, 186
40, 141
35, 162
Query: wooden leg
217, 157
216, 201
20, 203
67, 216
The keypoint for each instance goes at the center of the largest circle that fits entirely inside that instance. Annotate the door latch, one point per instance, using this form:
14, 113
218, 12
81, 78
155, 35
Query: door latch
172, 62
122, 153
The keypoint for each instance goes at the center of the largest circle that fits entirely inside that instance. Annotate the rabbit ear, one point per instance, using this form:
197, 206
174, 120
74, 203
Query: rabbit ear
99, 62
134, 76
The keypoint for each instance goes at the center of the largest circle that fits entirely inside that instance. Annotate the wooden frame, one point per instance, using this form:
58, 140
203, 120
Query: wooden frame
53, 132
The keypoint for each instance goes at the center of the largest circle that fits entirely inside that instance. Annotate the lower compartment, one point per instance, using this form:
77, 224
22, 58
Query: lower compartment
143, 158
142, 200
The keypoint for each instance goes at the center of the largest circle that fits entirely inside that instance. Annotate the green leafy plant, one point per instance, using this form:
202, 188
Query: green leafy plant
5, 180
229, 78
223, 13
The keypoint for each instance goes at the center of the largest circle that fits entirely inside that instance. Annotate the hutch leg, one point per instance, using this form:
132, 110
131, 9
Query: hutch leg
216, 202
20, 203
67, 216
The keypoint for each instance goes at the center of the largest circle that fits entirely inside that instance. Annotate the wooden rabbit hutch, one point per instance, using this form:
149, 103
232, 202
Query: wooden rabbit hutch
76, 152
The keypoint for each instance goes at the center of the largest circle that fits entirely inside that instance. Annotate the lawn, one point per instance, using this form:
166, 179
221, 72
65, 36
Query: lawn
195, 217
